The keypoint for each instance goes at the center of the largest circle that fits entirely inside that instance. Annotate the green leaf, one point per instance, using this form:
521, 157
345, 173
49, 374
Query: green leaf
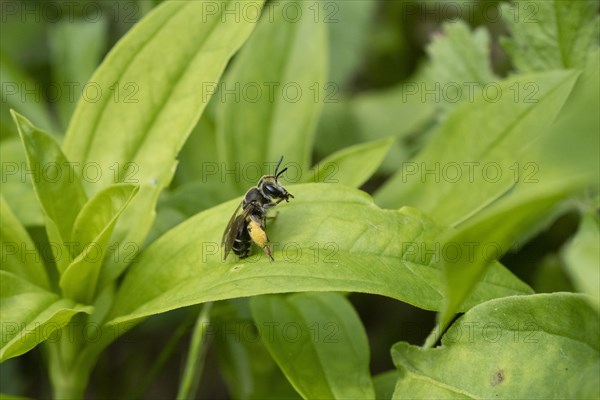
19, 254
198, 159
98, 216
136, 138
385, 384
30, 315
277, 103
373, 115
329, 238
550, 34
459, 55
473, 158
398, 111
460, 62
244, 362
498, 348
193, 197
353, 165
56, 183
549, 276
91, 233
582, 258
376, 114
348, 23
76, 48
17, 188
567, 164
319, 343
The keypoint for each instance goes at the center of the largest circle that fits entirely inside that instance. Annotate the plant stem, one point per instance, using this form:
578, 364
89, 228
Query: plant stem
68, 376
196, 356
164, 355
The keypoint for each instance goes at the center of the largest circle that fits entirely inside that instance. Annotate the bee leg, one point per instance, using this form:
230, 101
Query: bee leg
259, 236
270, 218
267, 250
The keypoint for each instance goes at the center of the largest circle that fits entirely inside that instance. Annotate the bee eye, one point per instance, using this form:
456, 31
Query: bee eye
272, 190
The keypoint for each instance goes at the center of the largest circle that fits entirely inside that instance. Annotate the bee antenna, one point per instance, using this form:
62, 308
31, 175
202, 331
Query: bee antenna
277, 167
280, 172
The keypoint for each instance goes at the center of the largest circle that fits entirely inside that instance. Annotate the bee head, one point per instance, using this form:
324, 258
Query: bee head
270, 187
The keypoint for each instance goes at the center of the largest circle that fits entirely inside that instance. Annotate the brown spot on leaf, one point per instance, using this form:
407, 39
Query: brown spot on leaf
498, 377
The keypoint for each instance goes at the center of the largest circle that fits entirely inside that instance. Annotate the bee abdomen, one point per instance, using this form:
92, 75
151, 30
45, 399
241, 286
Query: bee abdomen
241, 243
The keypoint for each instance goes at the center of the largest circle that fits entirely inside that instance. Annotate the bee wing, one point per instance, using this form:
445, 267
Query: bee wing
230, 224
232, 228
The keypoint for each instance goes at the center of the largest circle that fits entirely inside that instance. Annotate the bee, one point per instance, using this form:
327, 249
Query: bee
250, 225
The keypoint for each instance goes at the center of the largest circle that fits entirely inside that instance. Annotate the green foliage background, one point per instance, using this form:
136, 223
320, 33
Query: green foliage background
373, 280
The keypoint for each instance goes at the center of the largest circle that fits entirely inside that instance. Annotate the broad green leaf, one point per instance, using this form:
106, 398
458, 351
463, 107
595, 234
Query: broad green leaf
91, 233
244, 362
100, 213
30, 315
336, 129
193, 197
201, 178
459, 55
489, 236
147, 107
270, 109
582, 258
348, 23
351, 166
76, 48
567, 165
17, 188
473, 158
328, 238
399, 111
166, 219
460, 64
545, 345
318, 342
198, 159
384, 384
19, 254
550, 34
549, 276
56, 183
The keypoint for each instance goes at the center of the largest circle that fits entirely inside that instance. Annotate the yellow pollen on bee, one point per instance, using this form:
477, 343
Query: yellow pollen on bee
257, 233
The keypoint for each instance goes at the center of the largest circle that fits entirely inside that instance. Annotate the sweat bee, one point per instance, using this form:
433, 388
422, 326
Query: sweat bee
249, 226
